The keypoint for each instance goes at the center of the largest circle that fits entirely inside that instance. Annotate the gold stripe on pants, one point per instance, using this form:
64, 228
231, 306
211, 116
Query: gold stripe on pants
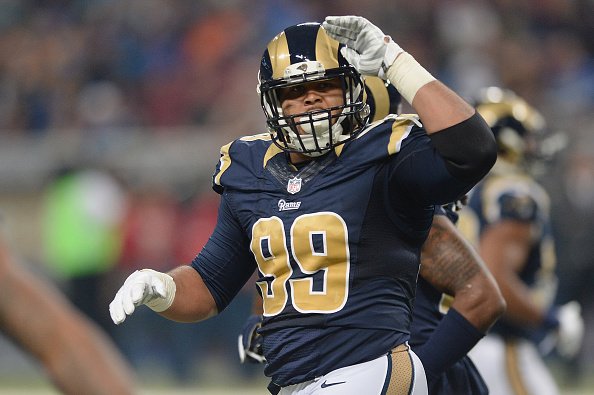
400, 372
512, 368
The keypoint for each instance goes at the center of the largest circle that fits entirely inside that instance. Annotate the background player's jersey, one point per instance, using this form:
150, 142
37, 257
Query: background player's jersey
505, 194
336, 243
429, 308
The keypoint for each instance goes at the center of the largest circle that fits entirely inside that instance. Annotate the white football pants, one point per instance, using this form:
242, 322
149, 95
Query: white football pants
512, 368
398, 373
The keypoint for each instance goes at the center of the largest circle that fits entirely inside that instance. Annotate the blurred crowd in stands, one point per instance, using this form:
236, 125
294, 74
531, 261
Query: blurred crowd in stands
91, 65
105, 69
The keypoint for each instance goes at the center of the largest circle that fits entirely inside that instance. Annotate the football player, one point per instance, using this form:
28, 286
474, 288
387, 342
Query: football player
450, 271
331, 210
508, 219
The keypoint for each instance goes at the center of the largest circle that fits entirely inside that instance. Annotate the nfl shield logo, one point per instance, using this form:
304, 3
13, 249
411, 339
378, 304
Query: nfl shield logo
294, 185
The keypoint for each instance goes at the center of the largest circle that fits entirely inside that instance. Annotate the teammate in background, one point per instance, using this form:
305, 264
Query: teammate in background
78, 357
508, 217
332, 212
451, 271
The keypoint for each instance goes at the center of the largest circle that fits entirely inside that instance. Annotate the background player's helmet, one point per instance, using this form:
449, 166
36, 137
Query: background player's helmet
519, 129
300, 54
382, 98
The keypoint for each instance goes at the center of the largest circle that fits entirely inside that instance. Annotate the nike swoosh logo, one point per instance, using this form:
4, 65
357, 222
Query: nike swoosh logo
324, 385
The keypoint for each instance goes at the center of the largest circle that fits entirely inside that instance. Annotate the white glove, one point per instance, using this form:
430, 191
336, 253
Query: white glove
146, 286
367, 47
571, 329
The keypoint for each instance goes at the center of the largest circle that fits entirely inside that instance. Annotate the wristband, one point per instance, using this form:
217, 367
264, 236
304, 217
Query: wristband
453, 338
408, 76
160, 304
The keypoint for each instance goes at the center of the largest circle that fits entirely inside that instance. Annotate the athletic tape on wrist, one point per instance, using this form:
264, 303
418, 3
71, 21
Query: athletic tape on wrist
408, 76
392, 52
161, 304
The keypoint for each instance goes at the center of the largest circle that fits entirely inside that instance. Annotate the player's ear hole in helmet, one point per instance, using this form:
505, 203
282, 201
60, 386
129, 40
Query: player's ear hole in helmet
302, 54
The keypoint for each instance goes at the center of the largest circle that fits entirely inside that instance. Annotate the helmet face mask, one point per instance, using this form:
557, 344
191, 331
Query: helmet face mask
303, 54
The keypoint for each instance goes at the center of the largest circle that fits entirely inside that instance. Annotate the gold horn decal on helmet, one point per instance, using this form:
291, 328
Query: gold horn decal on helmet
303, 67
377, 87
280, 58
326, 50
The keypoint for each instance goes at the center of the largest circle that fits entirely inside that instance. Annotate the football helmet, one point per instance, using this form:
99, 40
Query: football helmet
382, 98
301, 54
519, 129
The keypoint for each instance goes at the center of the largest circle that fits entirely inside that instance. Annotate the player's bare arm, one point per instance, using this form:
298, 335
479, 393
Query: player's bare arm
193, 301
77, 356
451, 265
505, 247
453, 124
179, 295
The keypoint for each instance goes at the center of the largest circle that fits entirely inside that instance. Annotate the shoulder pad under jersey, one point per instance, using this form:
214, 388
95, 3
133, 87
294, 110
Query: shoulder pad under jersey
515, 197
381, 138
242, 162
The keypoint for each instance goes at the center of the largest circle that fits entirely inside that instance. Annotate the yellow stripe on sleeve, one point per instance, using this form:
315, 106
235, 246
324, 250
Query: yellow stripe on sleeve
225, 163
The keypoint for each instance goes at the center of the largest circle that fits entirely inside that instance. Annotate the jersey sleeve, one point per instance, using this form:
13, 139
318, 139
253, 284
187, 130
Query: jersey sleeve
514, 199
419, 175
242, 162
225, 263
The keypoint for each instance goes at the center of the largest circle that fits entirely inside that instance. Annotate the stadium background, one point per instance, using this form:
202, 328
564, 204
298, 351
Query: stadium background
147, 91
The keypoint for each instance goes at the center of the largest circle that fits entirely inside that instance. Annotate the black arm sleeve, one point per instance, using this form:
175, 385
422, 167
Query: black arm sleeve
468, 148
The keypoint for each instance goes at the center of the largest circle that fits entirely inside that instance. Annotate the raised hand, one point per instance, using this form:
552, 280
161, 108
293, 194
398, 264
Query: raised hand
367, 47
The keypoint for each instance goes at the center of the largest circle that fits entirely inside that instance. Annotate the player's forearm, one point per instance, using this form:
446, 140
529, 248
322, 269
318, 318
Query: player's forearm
193, 301
451, 265
77, 356
31, 312
439, 107
480, 302
521, 309
505, 247
86, 362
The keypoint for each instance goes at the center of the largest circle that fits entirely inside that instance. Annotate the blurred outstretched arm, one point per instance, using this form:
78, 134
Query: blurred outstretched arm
78, 357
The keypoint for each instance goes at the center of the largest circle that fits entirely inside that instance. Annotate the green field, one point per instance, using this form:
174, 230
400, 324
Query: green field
19, 376
259, 388
206, 391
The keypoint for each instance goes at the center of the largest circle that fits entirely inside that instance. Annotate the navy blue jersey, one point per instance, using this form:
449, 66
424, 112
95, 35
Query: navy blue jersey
507, 195
336, 243
429, 308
